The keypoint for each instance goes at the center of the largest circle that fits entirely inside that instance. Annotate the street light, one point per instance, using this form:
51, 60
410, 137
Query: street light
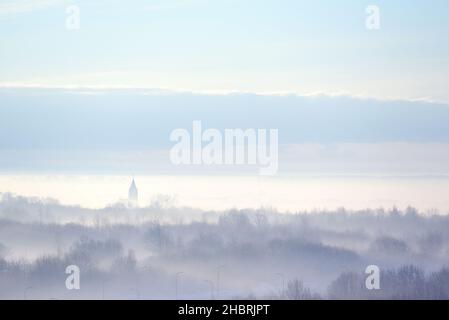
103, 282
176, 282
211, 289
283, 282
218, 280
137, 292
25, 292
148, 269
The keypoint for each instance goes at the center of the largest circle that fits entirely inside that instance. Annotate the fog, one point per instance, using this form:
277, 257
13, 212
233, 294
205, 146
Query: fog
162, 251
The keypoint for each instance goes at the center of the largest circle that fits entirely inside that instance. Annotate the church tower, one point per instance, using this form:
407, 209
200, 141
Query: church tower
133, 195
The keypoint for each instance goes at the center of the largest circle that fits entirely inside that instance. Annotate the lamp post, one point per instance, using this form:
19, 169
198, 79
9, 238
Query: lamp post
218, 280
148, 269
103, 282
281, 275
176, 282
211, 289
137, 292
25, 292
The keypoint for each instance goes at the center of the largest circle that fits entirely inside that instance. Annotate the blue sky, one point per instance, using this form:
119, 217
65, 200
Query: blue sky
230, 45
350, 85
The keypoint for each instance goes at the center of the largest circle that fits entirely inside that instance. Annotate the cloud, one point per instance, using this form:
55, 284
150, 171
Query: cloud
174, 4
21, 6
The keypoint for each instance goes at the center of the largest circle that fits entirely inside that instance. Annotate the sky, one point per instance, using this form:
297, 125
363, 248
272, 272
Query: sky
342, 83
347, 101
128, 132
302, 47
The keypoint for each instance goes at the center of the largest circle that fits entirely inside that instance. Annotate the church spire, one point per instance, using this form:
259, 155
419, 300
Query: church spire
133, 195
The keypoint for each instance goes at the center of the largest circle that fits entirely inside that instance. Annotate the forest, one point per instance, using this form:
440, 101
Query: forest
167, 252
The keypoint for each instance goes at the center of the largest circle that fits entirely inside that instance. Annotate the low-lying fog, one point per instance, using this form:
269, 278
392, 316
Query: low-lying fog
164, 251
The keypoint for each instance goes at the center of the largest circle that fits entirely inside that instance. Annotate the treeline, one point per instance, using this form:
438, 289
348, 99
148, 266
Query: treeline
119, 249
